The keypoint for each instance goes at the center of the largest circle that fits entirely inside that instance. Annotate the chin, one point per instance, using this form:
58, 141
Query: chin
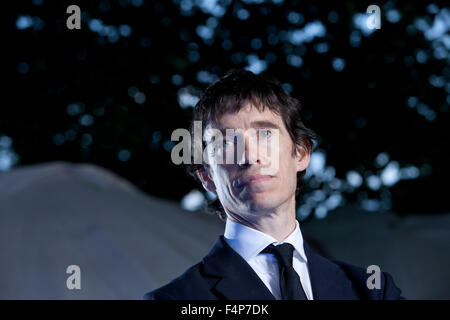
262, 202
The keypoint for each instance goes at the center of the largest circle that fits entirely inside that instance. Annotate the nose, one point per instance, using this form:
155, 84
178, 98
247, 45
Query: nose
248, 155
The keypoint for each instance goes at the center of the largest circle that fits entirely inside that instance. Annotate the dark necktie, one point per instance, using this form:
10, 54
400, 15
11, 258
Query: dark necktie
290, 285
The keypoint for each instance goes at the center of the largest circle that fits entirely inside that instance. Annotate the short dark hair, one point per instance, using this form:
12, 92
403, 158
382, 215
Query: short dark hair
231, 93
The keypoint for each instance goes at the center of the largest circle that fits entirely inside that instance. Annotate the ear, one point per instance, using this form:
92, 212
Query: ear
205, 177
302, 158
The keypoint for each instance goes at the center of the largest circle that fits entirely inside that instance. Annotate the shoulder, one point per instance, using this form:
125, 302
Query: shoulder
196, 283
188, 285
384, 287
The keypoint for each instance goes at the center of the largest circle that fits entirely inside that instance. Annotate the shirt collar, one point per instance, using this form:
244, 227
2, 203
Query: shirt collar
248, 242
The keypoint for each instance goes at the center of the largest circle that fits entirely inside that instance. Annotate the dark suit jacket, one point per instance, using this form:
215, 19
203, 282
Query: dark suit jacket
224, 274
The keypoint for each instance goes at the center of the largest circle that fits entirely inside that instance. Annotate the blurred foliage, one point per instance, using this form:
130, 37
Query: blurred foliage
112, 92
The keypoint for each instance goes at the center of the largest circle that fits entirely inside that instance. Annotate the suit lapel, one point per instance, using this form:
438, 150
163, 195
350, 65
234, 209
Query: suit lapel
236, 280
328, 280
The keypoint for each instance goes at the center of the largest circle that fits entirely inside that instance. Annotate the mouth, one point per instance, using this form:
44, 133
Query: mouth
251, 180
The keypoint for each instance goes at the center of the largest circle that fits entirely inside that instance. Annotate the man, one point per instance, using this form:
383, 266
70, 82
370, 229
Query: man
262, 254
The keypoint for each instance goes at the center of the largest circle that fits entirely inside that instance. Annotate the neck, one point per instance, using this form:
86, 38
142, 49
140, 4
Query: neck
278, 223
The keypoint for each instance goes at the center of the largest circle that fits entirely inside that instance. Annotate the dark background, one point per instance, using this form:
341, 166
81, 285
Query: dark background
112, 93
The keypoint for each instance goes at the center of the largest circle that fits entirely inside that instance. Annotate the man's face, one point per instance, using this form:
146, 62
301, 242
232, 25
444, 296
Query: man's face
254, 183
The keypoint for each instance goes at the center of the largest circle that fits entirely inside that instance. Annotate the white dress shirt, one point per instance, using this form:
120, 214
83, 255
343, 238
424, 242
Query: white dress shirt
249, 243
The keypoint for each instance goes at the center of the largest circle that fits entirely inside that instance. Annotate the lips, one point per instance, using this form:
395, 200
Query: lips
251, 179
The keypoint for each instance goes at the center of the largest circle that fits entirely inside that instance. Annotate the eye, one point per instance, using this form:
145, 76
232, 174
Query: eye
265, 133
227, 143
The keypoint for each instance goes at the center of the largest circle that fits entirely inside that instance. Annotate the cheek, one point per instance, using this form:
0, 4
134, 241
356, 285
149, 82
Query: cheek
222, 183
288, 170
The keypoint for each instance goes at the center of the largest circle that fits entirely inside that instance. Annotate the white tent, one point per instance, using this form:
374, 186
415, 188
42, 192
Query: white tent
414, 249
124, 241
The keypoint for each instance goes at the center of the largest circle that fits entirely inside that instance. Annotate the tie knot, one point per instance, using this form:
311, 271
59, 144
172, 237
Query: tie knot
284, 253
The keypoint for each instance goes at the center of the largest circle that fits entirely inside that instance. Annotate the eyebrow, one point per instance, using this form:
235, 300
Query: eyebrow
257, 124
264, 124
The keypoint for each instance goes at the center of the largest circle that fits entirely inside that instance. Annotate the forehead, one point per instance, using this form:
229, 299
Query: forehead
248, 117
